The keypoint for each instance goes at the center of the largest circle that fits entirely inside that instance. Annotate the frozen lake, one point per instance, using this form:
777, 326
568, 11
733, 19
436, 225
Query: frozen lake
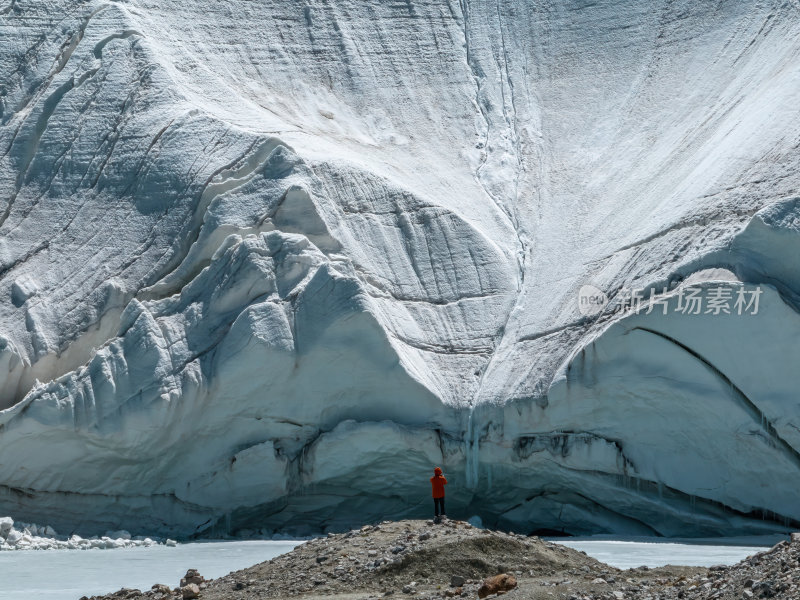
655, 552
70, 574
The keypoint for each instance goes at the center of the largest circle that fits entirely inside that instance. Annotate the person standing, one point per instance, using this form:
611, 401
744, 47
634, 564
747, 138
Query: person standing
437, 483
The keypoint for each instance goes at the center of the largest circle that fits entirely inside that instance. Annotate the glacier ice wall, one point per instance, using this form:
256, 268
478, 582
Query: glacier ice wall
264, 264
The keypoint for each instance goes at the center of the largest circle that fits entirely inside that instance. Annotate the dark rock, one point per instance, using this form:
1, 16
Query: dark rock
457, 581
192, 576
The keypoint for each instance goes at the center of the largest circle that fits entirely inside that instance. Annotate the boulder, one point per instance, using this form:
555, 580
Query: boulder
457, 581
161, 589
190, 591
498, 584
192, 576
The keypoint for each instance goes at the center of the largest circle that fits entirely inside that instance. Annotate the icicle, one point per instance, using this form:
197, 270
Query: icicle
467, 451
472, 448
475, 454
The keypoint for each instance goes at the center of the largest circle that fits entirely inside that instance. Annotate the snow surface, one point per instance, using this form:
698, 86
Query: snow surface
262, 265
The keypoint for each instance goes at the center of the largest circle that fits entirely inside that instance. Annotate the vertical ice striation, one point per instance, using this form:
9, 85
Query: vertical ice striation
472, 452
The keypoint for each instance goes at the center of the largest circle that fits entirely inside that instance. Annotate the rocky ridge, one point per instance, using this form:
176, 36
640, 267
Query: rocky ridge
427, 560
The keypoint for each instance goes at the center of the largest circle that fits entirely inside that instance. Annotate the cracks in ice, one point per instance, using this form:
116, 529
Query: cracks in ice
68, 48
511, 213
33, 493
561, 441
123, 35
44, 245
22, 109
11, 6
512, 121
558, 443
236, 173
755, 413
574, 325
48, 108
52, 101
153, 142
478, 77
694, 221
648, 493
472, 451
442, 348
377, 289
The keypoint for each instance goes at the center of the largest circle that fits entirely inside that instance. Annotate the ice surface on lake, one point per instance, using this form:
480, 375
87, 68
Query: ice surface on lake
628, 554
71, 574
263, 265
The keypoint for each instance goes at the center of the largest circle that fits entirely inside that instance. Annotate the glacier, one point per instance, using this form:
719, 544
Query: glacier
263, 265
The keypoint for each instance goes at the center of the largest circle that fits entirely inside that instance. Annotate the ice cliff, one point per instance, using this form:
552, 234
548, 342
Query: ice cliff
265, 264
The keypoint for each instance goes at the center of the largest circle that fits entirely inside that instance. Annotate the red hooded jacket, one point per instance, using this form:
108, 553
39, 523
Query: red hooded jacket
437, 483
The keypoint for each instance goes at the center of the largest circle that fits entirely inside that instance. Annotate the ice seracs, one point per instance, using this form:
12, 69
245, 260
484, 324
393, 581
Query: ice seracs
261, 267
29, 536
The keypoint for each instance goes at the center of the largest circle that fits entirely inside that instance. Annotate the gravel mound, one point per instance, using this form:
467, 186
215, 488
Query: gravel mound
424, 560
412, 557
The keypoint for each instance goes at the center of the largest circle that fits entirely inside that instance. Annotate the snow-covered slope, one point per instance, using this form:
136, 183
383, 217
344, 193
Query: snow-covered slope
265, 264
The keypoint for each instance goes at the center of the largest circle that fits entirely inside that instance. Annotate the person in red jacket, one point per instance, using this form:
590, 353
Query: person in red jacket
437, 483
